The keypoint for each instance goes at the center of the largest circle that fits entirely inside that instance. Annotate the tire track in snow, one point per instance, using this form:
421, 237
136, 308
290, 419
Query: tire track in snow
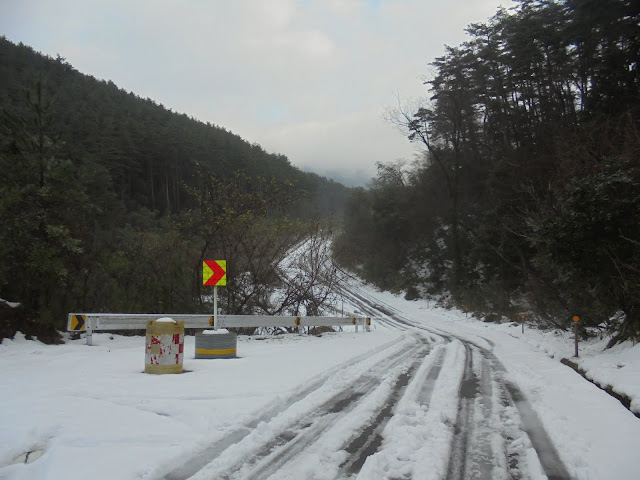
202, 457
491, 436
374, 308
473, 454
358, 448
270, 460
547, 454
388, 315
529, 429
463, 426
369, 442
272, 443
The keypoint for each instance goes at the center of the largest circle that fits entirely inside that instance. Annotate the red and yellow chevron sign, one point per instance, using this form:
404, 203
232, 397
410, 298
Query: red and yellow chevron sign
214, 273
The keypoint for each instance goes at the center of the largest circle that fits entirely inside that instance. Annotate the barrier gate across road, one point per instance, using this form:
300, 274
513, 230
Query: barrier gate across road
94, 322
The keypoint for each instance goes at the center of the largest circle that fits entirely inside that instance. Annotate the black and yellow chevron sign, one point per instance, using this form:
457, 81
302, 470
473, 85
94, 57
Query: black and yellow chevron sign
78, 322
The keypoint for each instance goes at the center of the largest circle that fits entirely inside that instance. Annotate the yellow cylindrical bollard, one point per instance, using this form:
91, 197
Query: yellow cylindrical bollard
164, 349
216, 344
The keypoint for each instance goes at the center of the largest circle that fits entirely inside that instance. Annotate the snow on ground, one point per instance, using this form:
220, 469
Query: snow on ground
95, 414
91, 412
618, 367
418, 437
595, 435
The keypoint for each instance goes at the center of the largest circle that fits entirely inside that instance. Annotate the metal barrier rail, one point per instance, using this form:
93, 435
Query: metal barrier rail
92, 322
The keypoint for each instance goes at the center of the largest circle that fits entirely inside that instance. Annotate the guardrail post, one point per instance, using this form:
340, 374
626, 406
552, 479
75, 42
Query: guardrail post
89, 331
215, 307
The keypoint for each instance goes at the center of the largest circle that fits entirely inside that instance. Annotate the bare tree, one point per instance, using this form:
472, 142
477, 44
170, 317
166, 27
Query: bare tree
309, 279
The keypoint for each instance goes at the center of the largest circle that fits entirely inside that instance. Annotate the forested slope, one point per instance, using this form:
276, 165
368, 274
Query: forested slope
527, 197
109, 202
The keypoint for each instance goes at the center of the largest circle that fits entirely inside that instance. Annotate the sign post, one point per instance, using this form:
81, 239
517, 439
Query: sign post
215, 307
576, 319
214, 273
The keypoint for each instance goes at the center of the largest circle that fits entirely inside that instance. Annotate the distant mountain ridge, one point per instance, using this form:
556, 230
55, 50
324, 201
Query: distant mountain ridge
110, 202
148, 149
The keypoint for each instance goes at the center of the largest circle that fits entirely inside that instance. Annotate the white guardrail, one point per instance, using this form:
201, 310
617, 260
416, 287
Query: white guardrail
93, 322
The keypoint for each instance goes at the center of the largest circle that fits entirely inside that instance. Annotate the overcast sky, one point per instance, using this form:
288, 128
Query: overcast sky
309, 79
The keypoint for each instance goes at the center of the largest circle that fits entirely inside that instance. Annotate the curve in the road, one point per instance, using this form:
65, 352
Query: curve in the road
479, 395
340, 420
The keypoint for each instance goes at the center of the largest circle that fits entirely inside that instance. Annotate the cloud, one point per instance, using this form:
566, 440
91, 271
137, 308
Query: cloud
351, 144
308, 79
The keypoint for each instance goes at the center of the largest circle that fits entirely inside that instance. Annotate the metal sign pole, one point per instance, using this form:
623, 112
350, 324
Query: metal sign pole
215, 307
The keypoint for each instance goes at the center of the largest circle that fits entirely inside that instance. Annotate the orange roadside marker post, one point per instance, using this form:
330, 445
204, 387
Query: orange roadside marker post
576, 319
522, 317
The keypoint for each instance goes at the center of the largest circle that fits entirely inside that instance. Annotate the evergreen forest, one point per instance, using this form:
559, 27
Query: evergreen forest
110, 202
526, 198
524, 203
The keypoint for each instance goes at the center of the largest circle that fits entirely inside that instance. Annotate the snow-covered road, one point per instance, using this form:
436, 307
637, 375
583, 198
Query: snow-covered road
509, 411
479, 424
426, 395
318, 428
